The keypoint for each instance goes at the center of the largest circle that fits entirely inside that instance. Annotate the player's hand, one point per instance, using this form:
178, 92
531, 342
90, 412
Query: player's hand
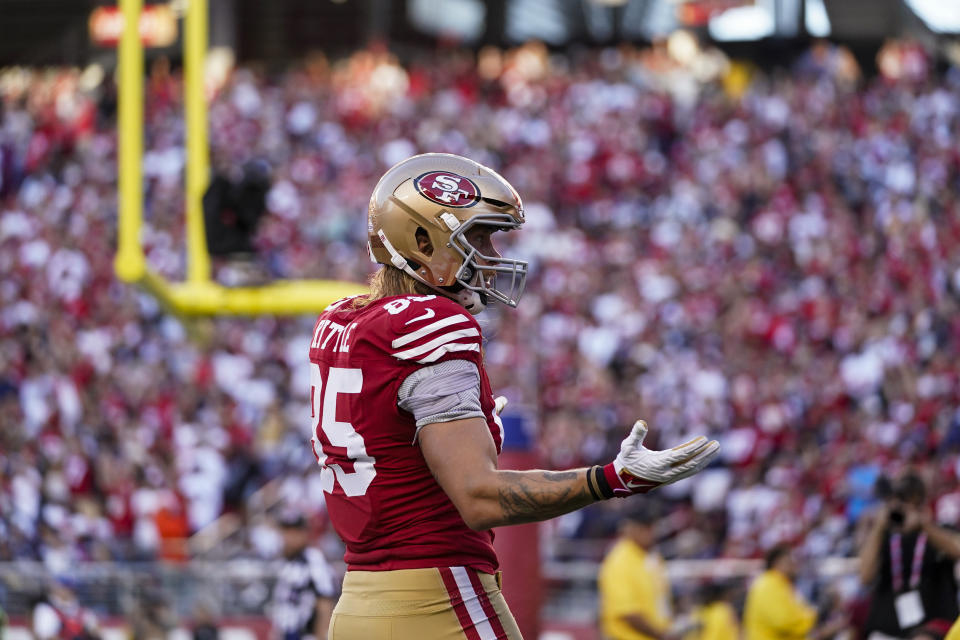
638, 470
882, 517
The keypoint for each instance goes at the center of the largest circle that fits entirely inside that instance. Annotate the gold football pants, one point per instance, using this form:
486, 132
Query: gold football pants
449, 603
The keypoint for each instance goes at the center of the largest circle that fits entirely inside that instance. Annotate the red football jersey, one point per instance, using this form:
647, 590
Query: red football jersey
381, 497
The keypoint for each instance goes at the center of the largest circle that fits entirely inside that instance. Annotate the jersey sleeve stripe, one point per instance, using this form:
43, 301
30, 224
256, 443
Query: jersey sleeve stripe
447, 348
436, 342
427, 330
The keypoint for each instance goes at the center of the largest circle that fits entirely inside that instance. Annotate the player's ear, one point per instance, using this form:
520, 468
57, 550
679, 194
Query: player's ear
423, 242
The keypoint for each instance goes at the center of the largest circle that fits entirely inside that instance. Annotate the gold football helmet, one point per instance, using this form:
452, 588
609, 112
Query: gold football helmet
447, 199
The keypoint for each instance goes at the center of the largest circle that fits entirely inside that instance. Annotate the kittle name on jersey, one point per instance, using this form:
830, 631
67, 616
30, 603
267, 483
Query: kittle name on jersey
334, 335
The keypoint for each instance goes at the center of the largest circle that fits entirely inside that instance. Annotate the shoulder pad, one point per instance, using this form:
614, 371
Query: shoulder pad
423, 329
340, 302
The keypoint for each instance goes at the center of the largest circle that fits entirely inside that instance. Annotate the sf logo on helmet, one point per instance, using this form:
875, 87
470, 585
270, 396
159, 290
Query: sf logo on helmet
448, 189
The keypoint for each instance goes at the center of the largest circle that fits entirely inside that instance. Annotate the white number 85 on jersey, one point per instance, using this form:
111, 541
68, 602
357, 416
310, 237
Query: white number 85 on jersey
339, 434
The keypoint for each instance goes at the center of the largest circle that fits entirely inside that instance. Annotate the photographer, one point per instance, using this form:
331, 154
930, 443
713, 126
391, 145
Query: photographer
907, 562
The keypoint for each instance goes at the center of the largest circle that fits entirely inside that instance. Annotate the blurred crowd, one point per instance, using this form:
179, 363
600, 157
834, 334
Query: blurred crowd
774, 262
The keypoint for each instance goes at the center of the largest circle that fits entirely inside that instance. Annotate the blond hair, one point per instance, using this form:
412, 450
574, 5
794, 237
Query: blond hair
390, 281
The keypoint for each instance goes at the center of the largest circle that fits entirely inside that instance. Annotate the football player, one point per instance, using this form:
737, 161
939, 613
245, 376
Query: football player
407, 429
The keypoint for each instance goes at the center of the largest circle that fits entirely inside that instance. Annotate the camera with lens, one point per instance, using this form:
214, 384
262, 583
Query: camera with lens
900, 495
897, 517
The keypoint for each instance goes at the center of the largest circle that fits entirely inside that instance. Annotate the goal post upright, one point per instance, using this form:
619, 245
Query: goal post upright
198, 150
199, 294
130, 264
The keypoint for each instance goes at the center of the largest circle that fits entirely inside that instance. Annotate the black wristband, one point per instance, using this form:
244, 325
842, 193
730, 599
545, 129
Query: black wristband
602, 485
590, 485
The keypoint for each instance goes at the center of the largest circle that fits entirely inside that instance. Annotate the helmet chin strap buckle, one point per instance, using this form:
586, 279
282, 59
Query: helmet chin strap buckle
450, 220
396, 259
472, 301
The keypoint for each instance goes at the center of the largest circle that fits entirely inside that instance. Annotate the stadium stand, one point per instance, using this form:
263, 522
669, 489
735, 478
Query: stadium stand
777, 267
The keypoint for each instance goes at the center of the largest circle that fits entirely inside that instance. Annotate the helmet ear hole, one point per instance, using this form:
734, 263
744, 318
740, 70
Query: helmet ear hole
423, 242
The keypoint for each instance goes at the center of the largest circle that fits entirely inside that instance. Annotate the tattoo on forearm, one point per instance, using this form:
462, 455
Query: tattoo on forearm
533, 496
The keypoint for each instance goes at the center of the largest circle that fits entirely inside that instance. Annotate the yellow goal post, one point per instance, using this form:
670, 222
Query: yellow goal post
199, 294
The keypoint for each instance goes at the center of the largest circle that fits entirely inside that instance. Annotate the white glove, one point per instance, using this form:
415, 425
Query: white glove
637, 469
499, 403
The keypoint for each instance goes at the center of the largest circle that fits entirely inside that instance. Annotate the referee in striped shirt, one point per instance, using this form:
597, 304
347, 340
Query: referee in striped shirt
305, 592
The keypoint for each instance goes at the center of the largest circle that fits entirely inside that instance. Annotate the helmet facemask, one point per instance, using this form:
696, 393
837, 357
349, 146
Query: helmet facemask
484, 274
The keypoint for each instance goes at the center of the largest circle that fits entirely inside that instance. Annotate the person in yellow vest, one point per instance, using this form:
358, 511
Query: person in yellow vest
715, 618
954, 633
774, 611
634, 588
